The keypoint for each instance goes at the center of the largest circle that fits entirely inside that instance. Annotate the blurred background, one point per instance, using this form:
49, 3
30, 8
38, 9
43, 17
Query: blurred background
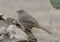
42, 11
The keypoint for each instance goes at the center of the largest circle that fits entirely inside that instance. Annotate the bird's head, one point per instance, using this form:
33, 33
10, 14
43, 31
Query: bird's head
21, 12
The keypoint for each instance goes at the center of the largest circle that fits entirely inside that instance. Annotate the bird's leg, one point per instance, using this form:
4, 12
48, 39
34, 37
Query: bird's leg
31, 36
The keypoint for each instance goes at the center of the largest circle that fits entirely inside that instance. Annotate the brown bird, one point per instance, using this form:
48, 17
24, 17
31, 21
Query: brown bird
29, 22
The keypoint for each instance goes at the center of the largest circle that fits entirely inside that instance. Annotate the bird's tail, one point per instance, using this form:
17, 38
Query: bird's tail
44, 29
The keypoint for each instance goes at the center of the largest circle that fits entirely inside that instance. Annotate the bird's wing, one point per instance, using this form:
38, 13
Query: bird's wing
28, 19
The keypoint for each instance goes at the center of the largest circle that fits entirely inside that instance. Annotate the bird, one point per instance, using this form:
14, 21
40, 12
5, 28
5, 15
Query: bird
28, 21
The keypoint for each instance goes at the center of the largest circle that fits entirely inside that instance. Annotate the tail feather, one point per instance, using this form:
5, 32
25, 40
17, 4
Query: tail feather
44, 29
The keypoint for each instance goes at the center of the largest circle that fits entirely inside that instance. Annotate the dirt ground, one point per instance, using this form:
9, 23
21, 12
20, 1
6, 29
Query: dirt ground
42, 10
